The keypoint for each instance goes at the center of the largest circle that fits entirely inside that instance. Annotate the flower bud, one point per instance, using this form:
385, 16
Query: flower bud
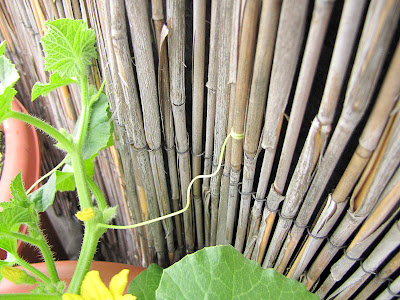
86, 214
17, 276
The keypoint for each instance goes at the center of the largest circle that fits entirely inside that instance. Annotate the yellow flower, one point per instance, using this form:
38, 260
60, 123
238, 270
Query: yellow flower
86, 214
94, 289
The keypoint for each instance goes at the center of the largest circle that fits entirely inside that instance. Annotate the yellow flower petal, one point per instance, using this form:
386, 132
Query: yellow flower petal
118, 283
93, 288
71, 297
86, 214
127, 297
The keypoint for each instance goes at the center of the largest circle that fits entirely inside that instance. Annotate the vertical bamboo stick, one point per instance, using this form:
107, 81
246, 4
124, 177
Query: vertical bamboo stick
134, 122
168, 127
370, 55
142, 48
210, 119
288, 43
222, 110
199, 16
224, 189
245, 68
176, 52
157, 13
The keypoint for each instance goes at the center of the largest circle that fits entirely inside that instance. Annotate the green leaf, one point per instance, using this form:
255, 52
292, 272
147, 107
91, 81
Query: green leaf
69, 45
2, 47
56, 81
65, 181
8, 77
223, 273
44, 196
109, 213
99, 135
18, 192
145, 284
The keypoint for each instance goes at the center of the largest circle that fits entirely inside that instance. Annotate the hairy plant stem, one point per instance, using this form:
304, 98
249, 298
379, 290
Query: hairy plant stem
33, 270
90, 239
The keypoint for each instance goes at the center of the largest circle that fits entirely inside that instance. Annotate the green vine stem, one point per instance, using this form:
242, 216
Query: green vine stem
33, 270
43, 126
46, 252
98, 195
29, 297
90, 239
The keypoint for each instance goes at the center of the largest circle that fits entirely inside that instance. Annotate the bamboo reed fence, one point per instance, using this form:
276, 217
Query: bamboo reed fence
312, 190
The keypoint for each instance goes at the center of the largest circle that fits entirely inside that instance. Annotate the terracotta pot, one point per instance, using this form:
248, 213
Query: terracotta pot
22, 154
66, 269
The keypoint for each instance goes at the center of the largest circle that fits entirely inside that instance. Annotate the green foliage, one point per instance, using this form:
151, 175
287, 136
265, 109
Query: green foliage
56, 81
69, 47
218, 272
8, 77
144, 285
2, 48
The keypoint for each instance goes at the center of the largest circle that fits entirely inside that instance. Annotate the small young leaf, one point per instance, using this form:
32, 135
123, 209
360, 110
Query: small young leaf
18, 192
56, 81
144, 285
99, 135
44, 196
8, 77
68, 45
109, 214
223, 273
2, 47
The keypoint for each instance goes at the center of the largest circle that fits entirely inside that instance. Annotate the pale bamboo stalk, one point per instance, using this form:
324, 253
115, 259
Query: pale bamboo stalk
352, 256
176, 52
320, 127
134, 122
67, 5
319, 23
380, 278
199, 31
391, 290
367, 144
287, 49
224, 189
169, 137
377, 34
157, 14
386, 246
353, 218
222, 111
60, 8
245, 67
76, 9
142, 48
210, 119
114, 91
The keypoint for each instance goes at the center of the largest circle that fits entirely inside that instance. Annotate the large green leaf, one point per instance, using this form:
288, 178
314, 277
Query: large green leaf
223, 273
2, 47
68, 44
145, 284
56, 81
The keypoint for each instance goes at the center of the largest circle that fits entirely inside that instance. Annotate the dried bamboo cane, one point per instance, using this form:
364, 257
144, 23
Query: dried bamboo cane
140, 34
377, 33
176, 52
210, 119
244, 72
134, 122
320, 127
319, 24
385, 247
288, 43
381, 277
114, 89
199, 31
370, 189
222, 111
368, 143
224, 189
157, 14
169, 137
391, 291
